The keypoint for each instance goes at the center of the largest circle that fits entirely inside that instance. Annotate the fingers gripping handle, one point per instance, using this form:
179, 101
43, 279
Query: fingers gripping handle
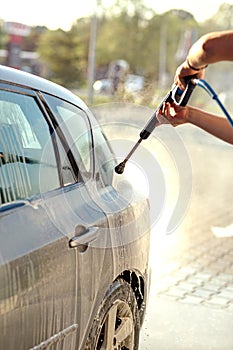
175, 95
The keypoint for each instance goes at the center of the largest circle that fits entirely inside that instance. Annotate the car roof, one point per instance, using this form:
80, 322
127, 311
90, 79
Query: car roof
28, 80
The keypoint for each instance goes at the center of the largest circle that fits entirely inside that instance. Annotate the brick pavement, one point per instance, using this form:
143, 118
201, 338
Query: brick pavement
198, 269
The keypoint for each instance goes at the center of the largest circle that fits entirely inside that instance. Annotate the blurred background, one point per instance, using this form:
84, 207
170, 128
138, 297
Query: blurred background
120, 56
126, 50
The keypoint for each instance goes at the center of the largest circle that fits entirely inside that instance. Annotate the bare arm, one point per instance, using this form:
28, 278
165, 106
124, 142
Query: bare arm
213, 124
210, 48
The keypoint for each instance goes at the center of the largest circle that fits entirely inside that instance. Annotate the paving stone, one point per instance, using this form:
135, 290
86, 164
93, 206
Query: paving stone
216, 268
227, 259
168, 297
176, 292
226, 277
230, 307
213, 287
187, 286
215, 281
229, 287
226, 294
202, 293
194, 280
180, 276
223, 266
169, 268
166, 282
188, 270
191, 299
218, 301
228, 270
205, 276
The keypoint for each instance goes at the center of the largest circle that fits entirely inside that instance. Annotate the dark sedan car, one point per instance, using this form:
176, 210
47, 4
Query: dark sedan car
74, 237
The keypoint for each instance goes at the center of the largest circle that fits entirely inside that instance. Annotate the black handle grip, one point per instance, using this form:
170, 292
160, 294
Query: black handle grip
181, 97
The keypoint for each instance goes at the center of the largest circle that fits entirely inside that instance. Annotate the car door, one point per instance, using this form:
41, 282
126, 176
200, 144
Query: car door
36, 295
79, 215
47, 220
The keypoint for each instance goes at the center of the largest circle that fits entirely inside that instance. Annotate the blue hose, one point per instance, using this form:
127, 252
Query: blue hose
203, 84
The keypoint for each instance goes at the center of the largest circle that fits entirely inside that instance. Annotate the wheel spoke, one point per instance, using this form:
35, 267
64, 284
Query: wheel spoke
124, 330
109, 334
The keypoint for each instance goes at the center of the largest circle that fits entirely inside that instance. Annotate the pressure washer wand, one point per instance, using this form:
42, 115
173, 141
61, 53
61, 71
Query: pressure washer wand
175, 95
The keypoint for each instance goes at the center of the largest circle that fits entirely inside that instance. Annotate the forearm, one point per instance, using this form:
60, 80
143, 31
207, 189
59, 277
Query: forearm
213, 124
211, 48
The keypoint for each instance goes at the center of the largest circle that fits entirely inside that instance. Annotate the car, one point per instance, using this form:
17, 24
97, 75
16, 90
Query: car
134, 83
103, 86
75, 236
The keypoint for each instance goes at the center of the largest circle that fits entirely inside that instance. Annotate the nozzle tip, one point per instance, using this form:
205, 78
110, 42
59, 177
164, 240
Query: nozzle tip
119, 169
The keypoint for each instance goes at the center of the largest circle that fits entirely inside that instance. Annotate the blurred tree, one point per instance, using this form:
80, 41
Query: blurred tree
224, 17
222, 20
178, 23
151, 46
120, 34
63, 54
219, 75
3, 35
130, 31
31, 41
130, 7
134, 34
81, 30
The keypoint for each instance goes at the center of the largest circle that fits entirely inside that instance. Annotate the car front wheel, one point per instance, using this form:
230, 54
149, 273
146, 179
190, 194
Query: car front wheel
117, 325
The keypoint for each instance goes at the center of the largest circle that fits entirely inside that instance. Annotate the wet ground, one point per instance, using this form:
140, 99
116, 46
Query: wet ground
191, 295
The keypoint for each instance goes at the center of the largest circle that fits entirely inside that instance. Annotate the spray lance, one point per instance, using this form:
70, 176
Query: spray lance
174, 95
179, 97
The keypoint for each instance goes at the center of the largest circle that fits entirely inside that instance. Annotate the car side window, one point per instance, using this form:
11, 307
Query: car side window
68, 176
75, 125
27, 160
104, 158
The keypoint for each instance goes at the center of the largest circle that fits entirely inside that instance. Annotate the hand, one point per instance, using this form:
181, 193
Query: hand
184, 71
176, 115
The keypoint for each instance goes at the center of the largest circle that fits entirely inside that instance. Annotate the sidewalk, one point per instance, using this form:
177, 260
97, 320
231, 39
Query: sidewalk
179, 326
191, 297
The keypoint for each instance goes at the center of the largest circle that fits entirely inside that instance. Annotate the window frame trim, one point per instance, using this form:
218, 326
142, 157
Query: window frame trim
55, 120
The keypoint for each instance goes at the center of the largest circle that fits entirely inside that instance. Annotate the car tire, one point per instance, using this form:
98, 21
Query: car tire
117, 324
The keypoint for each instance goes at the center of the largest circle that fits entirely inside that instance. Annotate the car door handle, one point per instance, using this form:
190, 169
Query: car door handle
84, 236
